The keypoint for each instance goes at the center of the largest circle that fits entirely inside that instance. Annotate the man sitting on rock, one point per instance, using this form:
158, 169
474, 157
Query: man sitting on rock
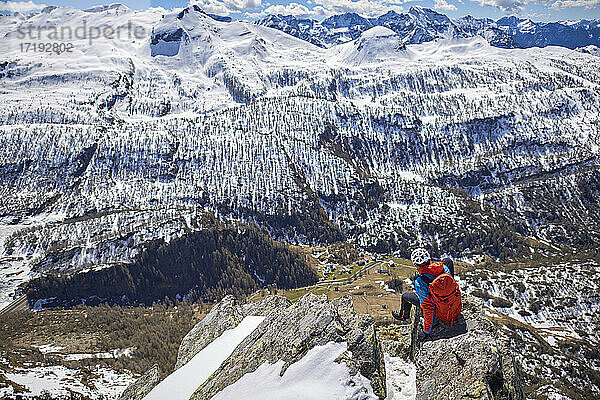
436, 291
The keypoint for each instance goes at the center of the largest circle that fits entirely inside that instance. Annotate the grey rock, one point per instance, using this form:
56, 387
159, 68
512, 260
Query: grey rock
266, 306
397, 348
142, 386
227, 314
290, 332
467, 360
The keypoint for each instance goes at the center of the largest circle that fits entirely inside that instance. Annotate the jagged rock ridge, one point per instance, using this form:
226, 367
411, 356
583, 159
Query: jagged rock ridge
468, 360
288, 333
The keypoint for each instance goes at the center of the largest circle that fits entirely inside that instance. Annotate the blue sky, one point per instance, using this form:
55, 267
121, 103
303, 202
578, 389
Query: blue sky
537, 10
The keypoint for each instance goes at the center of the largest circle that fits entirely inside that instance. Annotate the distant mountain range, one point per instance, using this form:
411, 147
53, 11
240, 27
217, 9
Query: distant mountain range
421, 25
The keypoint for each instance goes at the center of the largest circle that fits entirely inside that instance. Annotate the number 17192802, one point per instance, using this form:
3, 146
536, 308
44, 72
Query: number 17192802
48, 47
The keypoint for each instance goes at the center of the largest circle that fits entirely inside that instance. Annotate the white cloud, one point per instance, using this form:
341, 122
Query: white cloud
212, 6
515, 6
366, 8
241, 5
225, 7
588, 4
292, 9
20, 6
443, 5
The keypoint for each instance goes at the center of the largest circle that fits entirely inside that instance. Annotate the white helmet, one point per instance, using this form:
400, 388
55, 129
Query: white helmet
420, 256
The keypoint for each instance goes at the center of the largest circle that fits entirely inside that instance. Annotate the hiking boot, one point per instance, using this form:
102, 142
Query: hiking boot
399, 315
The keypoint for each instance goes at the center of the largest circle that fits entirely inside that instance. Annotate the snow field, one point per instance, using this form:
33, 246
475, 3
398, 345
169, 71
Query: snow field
58, 380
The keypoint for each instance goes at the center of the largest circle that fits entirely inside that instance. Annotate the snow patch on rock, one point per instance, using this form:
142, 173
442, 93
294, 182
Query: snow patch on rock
316, 376
182, 383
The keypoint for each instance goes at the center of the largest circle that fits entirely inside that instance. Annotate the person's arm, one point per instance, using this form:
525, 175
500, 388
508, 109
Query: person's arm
427, 305
448, 266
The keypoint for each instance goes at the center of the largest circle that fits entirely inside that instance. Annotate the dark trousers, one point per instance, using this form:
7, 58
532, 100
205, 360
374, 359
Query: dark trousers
410, 299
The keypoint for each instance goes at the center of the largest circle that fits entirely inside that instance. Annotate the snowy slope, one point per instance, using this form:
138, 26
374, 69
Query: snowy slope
375, 46
16, 269
59, 380
182, 383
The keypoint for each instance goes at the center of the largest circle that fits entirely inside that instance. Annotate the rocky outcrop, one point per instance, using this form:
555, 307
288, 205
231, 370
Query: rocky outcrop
142, 386
266, 306
466, 361
288, 333
227, 314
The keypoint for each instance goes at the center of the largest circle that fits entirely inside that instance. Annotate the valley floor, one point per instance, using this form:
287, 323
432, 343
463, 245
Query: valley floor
93, 351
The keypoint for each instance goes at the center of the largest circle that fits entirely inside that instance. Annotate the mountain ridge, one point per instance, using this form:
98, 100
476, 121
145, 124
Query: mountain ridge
421, 24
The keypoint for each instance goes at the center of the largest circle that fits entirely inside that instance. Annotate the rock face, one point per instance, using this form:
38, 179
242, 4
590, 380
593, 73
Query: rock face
288, 333
141, 387
468, 360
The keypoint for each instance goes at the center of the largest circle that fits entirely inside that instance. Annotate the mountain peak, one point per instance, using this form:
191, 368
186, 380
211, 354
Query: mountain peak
189, 9
416, 8
106, 7
511, 21
390, 13
421, 10
378, 31
345, 20
49, 9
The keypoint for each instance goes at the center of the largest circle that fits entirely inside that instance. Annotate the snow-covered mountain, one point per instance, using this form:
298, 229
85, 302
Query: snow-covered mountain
303, 28
374, 46
591, 49
421, 25
416, 129
570, 34
374, 140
